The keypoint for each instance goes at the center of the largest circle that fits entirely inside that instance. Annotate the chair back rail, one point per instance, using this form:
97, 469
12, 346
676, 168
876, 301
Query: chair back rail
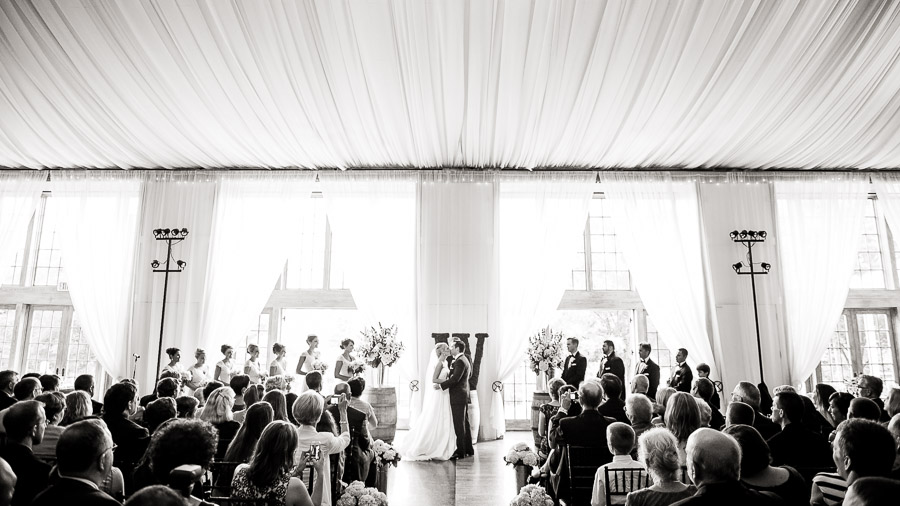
582, 464
619, 482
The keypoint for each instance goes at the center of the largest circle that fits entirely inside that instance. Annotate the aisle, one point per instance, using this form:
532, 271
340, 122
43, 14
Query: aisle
483, 479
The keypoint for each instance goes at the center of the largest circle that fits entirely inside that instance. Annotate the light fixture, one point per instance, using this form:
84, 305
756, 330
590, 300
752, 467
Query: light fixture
762, 234
748, 238
737, 266
172, 236
765, 266
734, 234
743, 234
155, 264
181, 264
184, 232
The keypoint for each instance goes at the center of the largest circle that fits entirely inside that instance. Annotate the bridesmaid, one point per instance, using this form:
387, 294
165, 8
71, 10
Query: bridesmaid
251, 367
199, 372
342, 366
224, 366
305, 364
277, 368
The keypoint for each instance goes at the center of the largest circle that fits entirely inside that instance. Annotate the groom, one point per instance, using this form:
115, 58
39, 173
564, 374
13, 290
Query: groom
458, 384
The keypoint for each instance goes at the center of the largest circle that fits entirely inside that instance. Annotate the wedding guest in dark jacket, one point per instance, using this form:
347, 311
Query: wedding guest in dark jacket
8, 380
25, 422
613, 406
748, 393
85, 383
130, 438
359, 454
575, 364
796, 445
757, 473
84, 459
703, 388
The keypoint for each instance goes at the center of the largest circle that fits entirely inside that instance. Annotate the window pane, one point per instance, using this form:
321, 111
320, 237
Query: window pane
258, 335
81, 359
836, 364
306, 263
7, 334
578, 278
48, 264
659, 353
869, 272
608, 269
875, 338
43, 341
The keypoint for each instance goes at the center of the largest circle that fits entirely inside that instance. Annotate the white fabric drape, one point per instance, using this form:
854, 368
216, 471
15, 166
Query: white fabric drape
657, 223
540, 217
98, 227
581, 83
20, 193
887, 189
248, 247
820, 219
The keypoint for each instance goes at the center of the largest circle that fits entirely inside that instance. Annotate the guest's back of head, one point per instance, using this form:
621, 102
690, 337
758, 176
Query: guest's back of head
704, 388
156, 495
308, 408
27, 389
739, 413
357, 386
839, 405
314, 380
21, 419
85, 382
259, 416
638, 408
755, 455
186, 406
662, 397
863, 447
590, 394
117, 398
861, 407
239, 383
620, 438
159, 411
179, 442
658, 450
219, 406
682, 415
49, 382
274, 454
167, 387
552, 387
713, 457
748, 393
640, 384
278, 401
892, 404
872, 491
54, 406
211, 387
253, 394
80, 445
611, 385
78, 406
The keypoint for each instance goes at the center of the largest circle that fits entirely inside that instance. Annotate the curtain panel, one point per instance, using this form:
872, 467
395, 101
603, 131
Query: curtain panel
20, 194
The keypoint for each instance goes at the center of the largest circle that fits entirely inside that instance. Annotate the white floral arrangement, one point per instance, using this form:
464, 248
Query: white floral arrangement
279, 382
356, 494
852, 384
356, 367
385, 454
545, 351
319, 365
380, 346
532, 495
521, 454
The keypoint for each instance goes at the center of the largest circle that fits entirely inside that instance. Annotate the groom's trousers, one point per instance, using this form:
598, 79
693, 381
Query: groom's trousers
463, 431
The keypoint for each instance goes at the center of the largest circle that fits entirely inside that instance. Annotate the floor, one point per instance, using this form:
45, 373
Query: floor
483, 479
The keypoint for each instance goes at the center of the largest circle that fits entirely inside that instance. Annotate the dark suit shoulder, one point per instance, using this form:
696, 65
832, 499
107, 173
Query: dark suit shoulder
67, 491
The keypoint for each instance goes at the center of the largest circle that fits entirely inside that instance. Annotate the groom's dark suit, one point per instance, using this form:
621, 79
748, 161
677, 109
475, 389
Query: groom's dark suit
458, 384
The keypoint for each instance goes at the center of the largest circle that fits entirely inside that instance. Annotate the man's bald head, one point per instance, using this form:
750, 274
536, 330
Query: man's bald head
7, 483
342, 388
713, 457
591, 394
861, 407
894, 427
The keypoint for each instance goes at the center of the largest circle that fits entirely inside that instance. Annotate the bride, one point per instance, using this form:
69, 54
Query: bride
432, 435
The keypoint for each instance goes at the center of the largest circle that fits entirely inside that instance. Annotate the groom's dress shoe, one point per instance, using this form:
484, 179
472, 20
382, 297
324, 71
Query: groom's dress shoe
455, 456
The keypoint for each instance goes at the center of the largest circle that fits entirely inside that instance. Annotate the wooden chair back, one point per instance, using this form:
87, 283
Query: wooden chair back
232, 501
582, 464
221, 474
619, 482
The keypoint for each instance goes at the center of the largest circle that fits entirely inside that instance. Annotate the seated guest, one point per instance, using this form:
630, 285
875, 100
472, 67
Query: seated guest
682, 418
703, 373
27, 389
714, 464
85, 383
640, 385
620, 441
35, 375
159, 411
7, 483
638, 410
156, 495
54, 408
176, 443
748, 393
166, 387
130, 438
739, 413
270, 474
314, 381
821, 394
290, 399
8, 380
894, 429
870, 387
239, 383
252, 395
547, 410
704, 389
658, 451
241, 448
861, 448
757, 474
307, 411
705, 412
659, 407
613, 406
839, 406
357, 387
892, 405
862, 407
796, 445
78, 407
574, 410
218, 412
210, 387
276, 399
49, 383
872, 492
358, 455
186, 406
25, 422
84, 459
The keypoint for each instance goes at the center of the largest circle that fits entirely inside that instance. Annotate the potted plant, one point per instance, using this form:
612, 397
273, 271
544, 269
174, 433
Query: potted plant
380, 349
356, 494
523, 459
544, 356
532, 495
385, 456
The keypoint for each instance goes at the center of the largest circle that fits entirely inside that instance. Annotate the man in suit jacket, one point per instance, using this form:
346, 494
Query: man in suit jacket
613, 406
458, 384
748, 393
85, 456
575, 364
703, 389
359, 453
131, 439
682, 377
648, 368
795, 445
611, 364
85, 383
8, 380
25, 422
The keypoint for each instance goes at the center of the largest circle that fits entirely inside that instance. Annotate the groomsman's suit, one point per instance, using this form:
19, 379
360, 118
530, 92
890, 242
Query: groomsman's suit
650, 369
574, 369
682, 378
458, 384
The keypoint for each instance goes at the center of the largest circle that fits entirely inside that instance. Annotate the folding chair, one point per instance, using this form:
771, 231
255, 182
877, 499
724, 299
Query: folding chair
619, 482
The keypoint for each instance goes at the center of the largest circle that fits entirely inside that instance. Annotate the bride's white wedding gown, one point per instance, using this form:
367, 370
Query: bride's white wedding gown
432, 437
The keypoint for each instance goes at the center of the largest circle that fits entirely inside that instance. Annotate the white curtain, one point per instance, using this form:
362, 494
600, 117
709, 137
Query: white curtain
395, 83
887, 188
658, 226
249, 243
372, 215
541, 220
98, 226
20, 193
819, 220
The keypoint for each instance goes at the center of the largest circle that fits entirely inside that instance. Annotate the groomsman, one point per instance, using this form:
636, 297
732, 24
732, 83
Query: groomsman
648, 368
682, 377
575, 365
611, 364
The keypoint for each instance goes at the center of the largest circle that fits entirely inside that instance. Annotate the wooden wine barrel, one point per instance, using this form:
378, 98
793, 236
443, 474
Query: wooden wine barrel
384, 402
539, 399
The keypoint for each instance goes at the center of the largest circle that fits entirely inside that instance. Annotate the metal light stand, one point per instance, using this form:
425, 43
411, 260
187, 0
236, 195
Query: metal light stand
171, 236
748, 238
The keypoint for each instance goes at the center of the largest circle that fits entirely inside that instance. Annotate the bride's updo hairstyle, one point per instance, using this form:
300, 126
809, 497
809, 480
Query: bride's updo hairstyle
346, 342
439, 348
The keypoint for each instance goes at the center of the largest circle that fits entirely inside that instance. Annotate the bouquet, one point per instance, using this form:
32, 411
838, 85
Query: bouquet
532, 495
279, 382
356, 367
356, 494
380, 346
385, 453
521, 454
320, 366
545, 351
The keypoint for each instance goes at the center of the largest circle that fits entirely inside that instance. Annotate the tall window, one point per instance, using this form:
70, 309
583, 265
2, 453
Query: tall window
663, 357
80, 359
48, 266
862, 343
7, 335
869, 270
258, 335
598, 263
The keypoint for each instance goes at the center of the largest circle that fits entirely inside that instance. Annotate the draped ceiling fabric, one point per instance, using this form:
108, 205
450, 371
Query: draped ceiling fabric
608, 84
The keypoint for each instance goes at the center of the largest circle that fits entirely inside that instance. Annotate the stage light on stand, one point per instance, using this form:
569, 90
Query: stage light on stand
171, 236
748, 238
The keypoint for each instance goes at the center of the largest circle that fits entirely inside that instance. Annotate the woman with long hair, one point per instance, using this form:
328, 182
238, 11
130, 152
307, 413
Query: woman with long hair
821, 394
258, 417
78, 407
218, 412
276, 399
307, 411
682, 419
659, 407
269, 475
252, 395
342, 366
279, 365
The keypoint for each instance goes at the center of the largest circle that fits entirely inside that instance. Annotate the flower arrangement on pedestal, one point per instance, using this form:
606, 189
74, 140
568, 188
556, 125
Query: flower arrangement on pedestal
279, 382
356, 367
385, 454
381, 348
319, 365
356, 494
532, 495
521, 455
545, 351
